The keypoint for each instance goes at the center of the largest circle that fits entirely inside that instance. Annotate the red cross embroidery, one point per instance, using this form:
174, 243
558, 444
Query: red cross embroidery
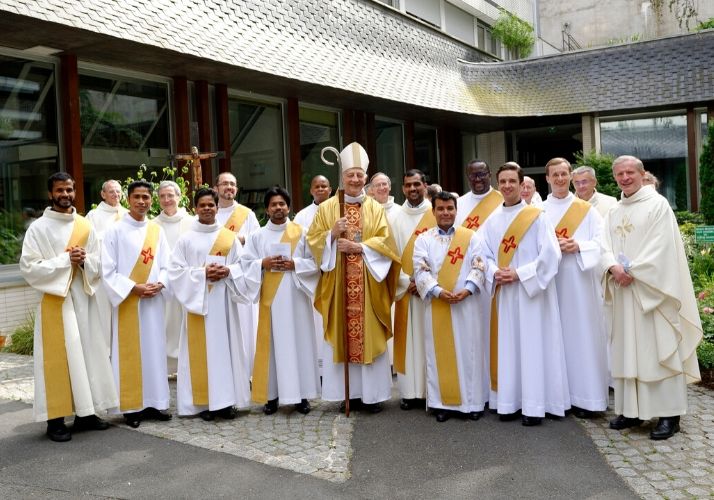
146, 253
508, 244
232, 227
218, 254
419, 231
455, 255
472, 222
563, 233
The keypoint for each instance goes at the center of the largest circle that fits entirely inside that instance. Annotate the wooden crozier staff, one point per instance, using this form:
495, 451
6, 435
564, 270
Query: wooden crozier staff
345, 339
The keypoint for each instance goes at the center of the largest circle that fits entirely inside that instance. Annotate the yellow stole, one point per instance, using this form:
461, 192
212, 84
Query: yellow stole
483, 210
506, 250
58, 387
271, 282
237, 218
572, 218
401, 309
442, 328
196, 330
131, 391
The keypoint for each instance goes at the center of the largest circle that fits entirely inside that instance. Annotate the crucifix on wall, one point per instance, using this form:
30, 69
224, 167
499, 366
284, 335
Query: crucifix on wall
194, 157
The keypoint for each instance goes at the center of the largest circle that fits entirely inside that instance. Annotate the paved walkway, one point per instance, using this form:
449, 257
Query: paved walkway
319, 445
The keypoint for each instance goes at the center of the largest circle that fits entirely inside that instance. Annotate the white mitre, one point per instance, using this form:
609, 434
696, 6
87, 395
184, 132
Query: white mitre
354, 156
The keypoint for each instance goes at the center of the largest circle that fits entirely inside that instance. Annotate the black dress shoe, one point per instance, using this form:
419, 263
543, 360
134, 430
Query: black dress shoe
207, 415
151, 413
508, 417
133, 419
621, 422
303, 407
442, 415
551, 416
583, 413
270, 407
371, 407
227, 413
57, 431
355, 405
405, 404
530, 421
89, 423
665, 428
475, 415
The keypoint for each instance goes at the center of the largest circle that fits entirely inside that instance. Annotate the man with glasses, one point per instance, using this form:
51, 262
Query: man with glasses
584, 182
242, 221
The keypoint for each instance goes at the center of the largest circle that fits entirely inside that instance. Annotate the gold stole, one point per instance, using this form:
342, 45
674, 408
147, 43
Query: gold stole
271, 282
237, 218
572, 218
441, 326
401, 309
196, 330
131, 390
58, 386
483, 210
506, 250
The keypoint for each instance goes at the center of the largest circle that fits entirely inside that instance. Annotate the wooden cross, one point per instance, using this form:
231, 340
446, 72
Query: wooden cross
194, 157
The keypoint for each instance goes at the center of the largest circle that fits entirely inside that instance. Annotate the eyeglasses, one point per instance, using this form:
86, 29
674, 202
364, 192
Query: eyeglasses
479, 175
582, 183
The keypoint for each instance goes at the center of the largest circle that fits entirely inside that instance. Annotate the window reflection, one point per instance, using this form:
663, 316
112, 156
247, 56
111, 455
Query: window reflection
318, 129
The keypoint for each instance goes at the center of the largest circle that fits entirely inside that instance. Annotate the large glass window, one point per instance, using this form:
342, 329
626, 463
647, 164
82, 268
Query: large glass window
318, 129
390, 154
28, 147
426, 10
124, 123
257, 149
661, 143
426, 152
459, 24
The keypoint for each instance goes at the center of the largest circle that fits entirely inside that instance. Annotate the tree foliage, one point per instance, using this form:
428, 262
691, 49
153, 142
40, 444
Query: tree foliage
168, 173
514, 33
706, 177
602, 163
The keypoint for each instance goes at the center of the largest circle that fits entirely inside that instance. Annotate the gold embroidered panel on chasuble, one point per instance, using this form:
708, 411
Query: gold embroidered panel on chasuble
354, 277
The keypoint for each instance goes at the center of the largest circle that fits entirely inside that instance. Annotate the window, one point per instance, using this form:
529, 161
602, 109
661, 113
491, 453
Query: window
459, 24
661, 143
390, 154
257, 149
318, 128
124, 123
391, 3
426, 157
426, 10
28, 147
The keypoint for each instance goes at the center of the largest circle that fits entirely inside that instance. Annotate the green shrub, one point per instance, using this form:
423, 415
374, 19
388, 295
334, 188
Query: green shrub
514, 33
691, 218
602, 163
168, 173
22, 339
706, 177
705, 355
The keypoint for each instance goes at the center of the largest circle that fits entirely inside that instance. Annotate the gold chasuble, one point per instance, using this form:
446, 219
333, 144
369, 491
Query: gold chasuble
268, 289
237, 218
196, 330
482, 210
572, 218
58, 387
130, 378
509, 244
442, 327
401, 309
369, 302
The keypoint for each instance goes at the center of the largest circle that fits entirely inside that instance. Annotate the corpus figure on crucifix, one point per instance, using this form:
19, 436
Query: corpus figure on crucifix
135, 257
449, 274
195, 159
356, 289
527, 363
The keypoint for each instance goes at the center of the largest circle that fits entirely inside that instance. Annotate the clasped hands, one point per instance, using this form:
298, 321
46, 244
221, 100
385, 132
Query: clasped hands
621, 277
454, 297
278, 263
147, 290
343, 244
505, 276
568, 245
77, 255
216, 272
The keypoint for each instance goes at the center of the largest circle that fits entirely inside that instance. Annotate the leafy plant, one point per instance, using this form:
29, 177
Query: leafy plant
706, 177
10, 237
602, 163
514, 33
168, 173
22, 339
705, 354
705, 25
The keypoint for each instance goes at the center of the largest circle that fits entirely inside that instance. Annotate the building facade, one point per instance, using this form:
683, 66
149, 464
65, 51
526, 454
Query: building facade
99, 88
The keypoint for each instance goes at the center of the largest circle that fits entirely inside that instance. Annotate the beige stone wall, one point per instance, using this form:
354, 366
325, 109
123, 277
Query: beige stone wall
16, 304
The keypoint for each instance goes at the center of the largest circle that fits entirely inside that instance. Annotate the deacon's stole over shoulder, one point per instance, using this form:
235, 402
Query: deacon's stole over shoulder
441, 324
507, 249
482, 210
58, 388
196, 329
572, 218
268, 289
237, 219
131, 393
378, 297
401, 309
